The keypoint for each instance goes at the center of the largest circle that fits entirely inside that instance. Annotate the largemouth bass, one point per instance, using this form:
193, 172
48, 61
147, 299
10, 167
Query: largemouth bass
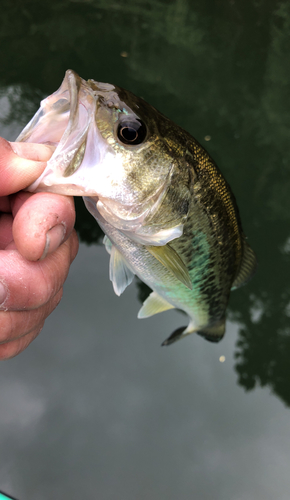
168, 214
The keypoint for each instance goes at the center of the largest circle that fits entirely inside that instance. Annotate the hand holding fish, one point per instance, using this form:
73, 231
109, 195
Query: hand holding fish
37, 246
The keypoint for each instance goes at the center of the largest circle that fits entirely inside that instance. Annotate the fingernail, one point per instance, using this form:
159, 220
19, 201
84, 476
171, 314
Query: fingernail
16, 147
54, 238
31, 151
3, 294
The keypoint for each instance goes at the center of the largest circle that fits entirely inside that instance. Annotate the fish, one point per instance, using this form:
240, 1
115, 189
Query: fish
168, 214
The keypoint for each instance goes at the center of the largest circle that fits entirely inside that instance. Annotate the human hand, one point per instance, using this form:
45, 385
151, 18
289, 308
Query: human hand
37, 246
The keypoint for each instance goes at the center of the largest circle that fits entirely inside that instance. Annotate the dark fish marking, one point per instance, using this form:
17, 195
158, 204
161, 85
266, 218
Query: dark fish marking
176, 335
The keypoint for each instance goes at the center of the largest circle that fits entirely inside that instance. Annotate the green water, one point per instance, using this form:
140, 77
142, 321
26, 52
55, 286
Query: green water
94, 407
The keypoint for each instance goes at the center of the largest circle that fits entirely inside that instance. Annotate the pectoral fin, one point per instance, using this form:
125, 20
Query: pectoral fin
160, 238
170, 259
152, 305
120, 275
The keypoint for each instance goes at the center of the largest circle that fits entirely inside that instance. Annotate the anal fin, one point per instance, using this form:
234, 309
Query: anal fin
176, 335
154, 304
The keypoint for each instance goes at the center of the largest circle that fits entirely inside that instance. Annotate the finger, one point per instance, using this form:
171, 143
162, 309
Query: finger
5, 204
16, 173
31, 151
19, 328
42, 222
12, 349
29, 285
16, 324
6, 236
74, 245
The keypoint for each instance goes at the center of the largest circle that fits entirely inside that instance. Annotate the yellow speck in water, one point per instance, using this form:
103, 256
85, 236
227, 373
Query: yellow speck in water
222, 359
124, 54
207, 138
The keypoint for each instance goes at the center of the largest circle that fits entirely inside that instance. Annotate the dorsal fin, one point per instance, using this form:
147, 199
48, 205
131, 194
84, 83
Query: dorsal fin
248, 267
154, 304
170, 259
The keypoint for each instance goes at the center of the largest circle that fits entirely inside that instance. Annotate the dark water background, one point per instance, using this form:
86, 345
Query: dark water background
94, 408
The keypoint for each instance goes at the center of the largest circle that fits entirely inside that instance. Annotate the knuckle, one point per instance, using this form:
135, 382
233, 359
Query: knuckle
11, 349
8, 350
6, 326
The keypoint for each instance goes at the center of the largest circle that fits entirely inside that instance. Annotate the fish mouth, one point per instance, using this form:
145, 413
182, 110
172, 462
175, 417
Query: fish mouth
66, 120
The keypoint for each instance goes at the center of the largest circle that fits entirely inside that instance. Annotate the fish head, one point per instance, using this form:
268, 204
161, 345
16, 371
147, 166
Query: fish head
109, 148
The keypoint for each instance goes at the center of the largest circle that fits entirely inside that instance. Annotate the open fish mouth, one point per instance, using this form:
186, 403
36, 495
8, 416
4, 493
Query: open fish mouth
66, 120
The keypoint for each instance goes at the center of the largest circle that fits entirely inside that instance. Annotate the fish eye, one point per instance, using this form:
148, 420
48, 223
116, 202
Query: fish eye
131, 132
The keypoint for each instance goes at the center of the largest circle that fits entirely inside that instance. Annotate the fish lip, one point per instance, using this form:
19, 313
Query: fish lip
58, 176
77, 127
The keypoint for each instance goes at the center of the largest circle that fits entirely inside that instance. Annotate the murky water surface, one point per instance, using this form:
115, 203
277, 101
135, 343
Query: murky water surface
95, 407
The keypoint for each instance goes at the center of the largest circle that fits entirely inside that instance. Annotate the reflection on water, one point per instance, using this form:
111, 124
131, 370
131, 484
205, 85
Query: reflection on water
237, 92
96, 405
219, 70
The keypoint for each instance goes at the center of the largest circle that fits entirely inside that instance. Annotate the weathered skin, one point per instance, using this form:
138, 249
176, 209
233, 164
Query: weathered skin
164, 192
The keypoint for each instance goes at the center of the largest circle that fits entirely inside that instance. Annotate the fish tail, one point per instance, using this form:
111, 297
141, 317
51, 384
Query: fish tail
212, 333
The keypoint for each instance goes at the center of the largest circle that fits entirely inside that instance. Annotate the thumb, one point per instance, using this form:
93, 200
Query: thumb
18, 172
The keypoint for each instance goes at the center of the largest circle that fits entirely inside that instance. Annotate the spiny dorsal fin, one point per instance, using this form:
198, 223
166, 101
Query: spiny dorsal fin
170, 259
248, 267
120, 275
152, 305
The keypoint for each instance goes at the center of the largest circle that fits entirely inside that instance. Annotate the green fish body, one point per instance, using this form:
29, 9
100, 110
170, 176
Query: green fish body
168, 214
